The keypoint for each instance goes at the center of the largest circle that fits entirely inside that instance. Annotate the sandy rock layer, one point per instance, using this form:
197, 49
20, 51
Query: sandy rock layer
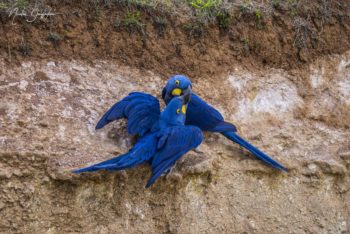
47, 117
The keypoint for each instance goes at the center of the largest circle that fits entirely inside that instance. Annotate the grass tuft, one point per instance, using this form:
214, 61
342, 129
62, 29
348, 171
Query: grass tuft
245, 43
55, 38
160, 24
245, 7
204, 5
258, 18
21, 4
205, 10
194, 29
276, 3
223, 19
132, 21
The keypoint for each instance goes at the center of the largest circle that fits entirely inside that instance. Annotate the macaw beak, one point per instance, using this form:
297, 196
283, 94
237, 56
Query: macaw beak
187, 95
179, 92
176, 92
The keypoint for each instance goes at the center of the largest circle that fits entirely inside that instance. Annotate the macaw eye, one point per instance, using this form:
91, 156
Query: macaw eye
177, 82
178, 111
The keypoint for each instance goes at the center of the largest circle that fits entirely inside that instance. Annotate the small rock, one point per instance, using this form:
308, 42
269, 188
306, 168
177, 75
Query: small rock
40, 76
23, 85
5, 174
2, 205
51, 64
332, 168
312, 167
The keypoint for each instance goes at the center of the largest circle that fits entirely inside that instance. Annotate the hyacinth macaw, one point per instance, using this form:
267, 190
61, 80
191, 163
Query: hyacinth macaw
164, 137
207, 118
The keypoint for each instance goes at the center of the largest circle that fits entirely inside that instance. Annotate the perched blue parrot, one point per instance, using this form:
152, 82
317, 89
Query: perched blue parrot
164, 136
207, 118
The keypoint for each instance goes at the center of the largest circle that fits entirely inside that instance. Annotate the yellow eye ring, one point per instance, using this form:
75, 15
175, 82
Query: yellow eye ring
178, 111
177, 82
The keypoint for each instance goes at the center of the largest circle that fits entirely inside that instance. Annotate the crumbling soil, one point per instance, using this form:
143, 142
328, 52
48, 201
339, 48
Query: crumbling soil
284, 37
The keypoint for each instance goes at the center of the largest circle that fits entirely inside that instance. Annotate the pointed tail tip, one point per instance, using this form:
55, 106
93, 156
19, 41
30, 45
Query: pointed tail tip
149, 183
285, 170
282, 168
78, 171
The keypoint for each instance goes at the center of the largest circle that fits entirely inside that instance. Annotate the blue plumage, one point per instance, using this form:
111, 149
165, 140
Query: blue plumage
142, 111
207, 118
142, 151
165, 137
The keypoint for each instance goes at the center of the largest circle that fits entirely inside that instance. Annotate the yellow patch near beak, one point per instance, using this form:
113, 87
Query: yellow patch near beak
176, 92
183, 109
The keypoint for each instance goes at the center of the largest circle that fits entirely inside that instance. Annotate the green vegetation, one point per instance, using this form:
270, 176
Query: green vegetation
245, 7
245, 42
21, 4
293, 5
160, 23
276, 3
145, 4
258, 18
117, 24
198, 14
131, 22
54, 38
256, 46
205, 10
223, 19
194, 29
97, 12
292, 2
204, 5
3, 6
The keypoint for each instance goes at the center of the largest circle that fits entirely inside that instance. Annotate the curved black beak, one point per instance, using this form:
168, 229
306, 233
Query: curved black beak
187, 95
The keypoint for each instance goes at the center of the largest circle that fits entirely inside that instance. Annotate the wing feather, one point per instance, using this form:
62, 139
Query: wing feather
141, 109
173, 144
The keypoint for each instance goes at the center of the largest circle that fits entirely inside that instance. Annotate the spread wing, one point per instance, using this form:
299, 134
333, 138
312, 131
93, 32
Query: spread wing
141, 109
172, 145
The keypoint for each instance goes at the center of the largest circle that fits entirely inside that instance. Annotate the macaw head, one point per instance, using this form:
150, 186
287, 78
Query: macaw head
175, 112
177, 85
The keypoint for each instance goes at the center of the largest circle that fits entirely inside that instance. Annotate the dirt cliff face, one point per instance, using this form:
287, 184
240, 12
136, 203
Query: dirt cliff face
293, 103
49, 110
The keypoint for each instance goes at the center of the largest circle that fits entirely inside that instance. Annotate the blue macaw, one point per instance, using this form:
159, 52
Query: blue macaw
164, 137
207, 118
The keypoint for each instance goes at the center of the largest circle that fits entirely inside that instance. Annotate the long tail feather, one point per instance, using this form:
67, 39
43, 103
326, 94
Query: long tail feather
261, 155
124, 161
